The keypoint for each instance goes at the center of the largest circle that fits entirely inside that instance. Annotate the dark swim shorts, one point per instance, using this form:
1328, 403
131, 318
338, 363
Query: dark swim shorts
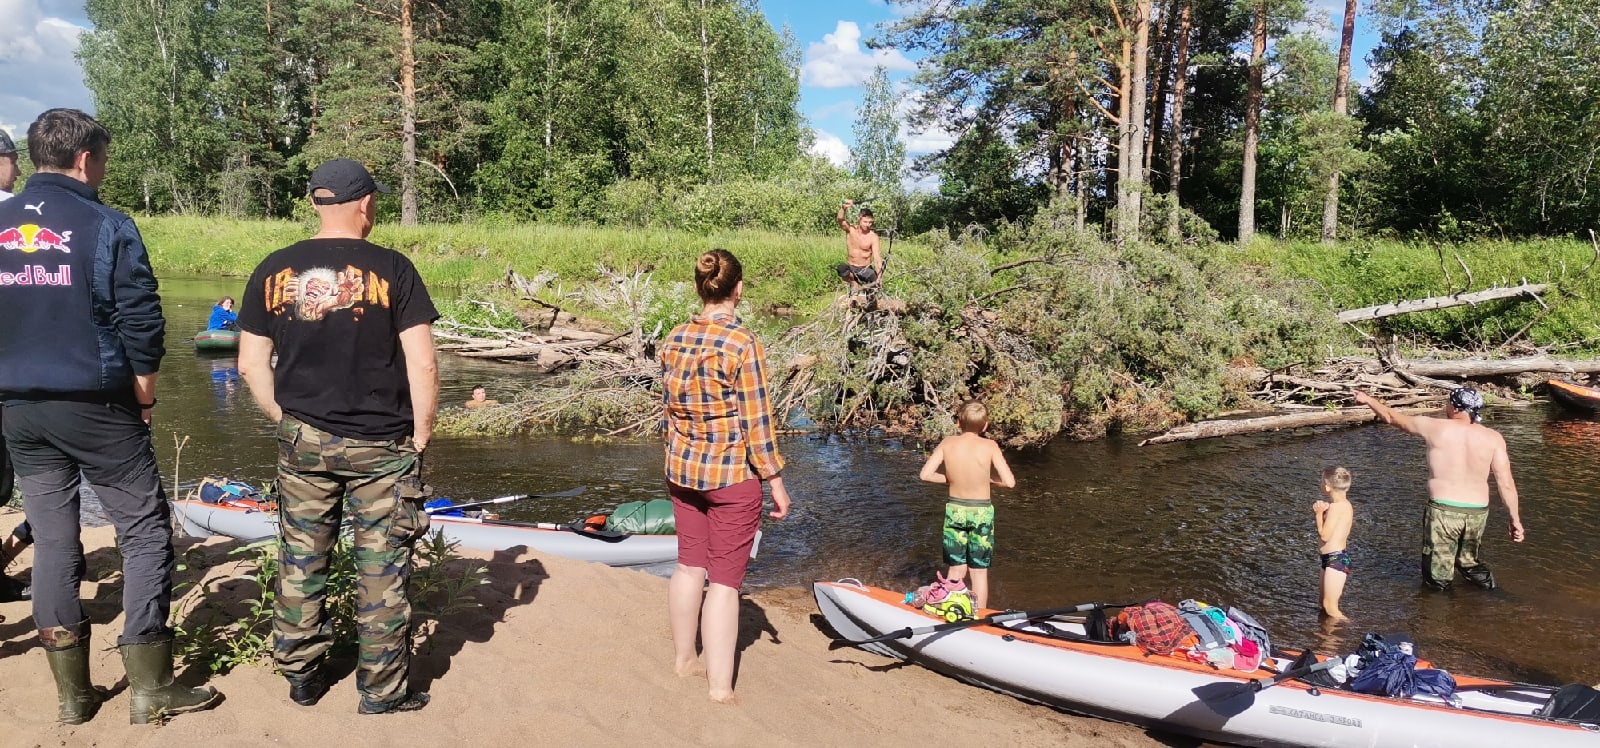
1338, 561
857, 273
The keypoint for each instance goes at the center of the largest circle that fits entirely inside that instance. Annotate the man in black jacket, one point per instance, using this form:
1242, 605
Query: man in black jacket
82, 336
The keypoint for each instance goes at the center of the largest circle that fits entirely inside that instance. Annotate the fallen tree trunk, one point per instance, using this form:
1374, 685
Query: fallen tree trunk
1236, 427
1530, 290
1479, 367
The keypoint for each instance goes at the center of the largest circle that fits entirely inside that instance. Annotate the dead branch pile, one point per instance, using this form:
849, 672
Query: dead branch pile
545, 350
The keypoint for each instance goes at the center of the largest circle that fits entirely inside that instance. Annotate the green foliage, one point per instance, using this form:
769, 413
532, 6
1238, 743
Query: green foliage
1371, 272
879, 156
220, 640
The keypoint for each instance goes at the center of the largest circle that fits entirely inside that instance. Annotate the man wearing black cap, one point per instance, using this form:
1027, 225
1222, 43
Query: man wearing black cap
83, 341
353, 394
1462, 454
8, 168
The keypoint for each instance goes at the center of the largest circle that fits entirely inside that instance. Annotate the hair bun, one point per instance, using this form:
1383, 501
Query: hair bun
708, 263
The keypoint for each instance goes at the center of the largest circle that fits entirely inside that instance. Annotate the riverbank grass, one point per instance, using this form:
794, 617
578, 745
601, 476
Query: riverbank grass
781, 270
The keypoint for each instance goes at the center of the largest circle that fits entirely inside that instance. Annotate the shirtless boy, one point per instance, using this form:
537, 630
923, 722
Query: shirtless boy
971, 465
1462, 455
863, 261
1334, 518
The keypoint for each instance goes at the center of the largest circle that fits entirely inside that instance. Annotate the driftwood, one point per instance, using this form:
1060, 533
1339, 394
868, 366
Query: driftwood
1239, 426
1478, 367
1529, 290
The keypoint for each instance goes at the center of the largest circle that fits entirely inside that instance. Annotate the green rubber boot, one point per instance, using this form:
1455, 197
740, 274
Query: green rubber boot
78, 697
155, 696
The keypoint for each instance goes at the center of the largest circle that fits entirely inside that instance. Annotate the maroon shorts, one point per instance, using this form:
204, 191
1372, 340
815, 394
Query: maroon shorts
716, 528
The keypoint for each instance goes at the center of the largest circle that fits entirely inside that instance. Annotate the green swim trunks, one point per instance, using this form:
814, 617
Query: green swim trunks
968, 533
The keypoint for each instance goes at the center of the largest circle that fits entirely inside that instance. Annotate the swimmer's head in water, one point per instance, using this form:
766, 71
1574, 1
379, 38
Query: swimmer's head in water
1469, 401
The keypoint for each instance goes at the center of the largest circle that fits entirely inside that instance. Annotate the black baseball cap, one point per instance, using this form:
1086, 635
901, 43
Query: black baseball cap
7, 146
346, 179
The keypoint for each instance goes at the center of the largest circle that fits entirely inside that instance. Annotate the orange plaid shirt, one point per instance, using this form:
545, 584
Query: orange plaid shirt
719, 415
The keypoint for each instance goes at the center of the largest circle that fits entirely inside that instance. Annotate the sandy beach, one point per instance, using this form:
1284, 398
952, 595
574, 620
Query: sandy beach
560, 652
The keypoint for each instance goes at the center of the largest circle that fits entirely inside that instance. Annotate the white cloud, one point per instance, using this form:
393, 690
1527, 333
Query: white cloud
37, 60
836, 109
838, 61
831, 147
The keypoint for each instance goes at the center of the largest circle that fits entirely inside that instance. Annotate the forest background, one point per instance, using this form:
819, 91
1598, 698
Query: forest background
1140, 193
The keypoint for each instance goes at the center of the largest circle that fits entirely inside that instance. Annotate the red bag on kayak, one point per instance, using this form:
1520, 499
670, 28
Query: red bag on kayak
1156, 627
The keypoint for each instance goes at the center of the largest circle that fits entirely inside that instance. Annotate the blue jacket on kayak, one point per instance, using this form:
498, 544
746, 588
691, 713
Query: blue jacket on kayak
77, 294
222, 319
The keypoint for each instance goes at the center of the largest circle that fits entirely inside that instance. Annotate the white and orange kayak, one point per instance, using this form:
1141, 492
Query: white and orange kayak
251, 521
1575, 396
1120, 682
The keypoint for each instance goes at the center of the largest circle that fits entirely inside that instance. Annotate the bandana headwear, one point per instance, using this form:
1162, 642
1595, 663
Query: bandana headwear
1469, 401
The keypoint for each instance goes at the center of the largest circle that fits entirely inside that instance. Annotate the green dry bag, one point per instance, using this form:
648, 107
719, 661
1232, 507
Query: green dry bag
653, 517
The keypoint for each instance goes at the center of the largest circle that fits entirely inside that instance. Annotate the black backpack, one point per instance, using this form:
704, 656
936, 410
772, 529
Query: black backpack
1575, 702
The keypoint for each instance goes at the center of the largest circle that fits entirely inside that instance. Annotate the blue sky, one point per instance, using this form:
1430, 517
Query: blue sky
37, 70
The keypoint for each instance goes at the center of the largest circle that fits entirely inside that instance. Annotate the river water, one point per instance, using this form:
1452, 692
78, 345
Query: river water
1224, 521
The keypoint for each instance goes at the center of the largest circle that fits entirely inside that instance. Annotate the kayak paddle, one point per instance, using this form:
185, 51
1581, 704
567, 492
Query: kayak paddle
609, 536
567, 494
1256, 684
1001, 617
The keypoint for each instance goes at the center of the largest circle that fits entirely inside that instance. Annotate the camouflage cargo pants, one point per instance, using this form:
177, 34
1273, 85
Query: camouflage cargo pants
321, 476
1454, 534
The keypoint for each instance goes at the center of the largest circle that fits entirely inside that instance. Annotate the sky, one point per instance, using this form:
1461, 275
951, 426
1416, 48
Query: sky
39, 71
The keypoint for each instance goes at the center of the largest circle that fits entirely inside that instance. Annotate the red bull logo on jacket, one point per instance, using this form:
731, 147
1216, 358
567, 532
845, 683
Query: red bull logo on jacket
30, 238
38, 275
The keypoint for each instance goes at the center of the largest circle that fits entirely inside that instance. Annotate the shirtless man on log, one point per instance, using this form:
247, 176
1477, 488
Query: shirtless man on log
1462, 454
863, 266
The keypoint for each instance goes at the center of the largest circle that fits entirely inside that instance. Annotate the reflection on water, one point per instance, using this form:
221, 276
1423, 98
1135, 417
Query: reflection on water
1222, 521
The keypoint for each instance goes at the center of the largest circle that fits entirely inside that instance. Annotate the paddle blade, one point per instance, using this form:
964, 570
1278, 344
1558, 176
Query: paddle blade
567, 494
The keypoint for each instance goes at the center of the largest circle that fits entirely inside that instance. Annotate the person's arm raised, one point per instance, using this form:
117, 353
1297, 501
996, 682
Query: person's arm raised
1407, 423
255, 367
840, 218
1501, 468
422, 372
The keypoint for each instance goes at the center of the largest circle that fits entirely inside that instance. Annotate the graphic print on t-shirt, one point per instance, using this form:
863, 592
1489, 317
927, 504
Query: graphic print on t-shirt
311, 295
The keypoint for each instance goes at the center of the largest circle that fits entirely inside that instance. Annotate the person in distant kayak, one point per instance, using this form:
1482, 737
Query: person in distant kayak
222, 316
971, 465
1334, 518
1462, 455
720, 447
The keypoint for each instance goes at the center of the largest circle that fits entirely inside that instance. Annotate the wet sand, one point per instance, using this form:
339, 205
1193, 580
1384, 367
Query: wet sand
560, 652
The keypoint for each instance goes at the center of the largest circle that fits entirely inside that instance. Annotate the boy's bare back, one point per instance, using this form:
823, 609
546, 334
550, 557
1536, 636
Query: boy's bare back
971, 465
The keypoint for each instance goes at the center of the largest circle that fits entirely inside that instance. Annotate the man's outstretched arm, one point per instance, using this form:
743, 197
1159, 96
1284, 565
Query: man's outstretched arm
1407, 423
840, 218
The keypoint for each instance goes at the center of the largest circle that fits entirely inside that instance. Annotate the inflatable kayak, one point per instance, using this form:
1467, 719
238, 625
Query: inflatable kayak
1575, 396
250, 521
217, 340
1058, 666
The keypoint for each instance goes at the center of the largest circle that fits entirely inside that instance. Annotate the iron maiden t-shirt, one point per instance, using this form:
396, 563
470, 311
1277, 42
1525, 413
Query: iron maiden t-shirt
334, 309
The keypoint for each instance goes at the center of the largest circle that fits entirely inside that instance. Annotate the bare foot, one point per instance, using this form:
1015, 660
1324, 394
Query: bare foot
691, 669
730, 698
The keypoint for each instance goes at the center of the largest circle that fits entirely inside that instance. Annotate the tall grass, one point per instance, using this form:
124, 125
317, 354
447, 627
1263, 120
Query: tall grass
1366, 273
780, 269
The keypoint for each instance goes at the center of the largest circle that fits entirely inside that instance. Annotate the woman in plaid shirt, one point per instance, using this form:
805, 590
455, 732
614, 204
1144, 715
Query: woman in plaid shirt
720, 447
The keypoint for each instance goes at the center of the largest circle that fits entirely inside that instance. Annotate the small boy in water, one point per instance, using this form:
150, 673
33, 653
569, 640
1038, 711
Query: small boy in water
1334, 518
971, 465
